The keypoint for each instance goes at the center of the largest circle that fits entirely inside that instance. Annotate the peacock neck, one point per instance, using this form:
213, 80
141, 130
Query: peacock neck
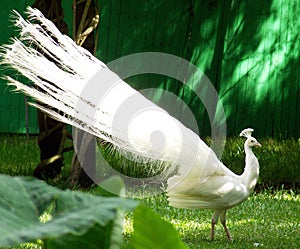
251, 172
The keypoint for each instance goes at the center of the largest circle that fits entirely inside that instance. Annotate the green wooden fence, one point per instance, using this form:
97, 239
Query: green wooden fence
248, 49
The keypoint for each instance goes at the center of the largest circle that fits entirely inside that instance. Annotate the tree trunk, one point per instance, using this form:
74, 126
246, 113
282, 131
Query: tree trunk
86, 18
51, 132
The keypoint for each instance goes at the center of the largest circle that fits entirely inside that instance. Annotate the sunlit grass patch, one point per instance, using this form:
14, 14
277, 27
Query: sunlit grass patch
269, 219
26, 246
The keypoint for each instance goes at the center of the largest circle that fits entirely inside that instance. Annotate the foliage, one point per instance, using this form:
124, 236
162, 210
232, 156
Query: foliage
76, 219
146, 224
31, 210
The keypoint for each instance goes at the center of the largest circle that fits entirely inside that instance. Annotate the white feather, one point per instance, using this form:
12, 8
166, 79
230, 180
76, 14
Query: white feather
60, 70
246, 132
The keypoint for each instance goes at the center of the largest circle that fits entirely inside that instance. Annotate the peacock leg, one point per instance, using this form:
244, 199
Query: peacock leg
213, 223
223, 222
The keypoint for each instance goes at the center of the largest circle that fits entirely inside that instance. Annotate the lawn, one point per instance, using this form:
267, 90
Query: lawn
266, 220
269, 219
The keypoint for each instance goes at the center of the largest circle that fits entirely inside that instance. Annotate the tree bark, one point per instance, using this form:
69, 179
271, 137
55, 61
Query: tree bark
86, 18
51, 132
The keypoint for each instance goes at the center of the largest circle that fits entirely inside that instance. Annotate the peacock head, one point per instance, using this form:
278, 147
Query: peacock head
251, 141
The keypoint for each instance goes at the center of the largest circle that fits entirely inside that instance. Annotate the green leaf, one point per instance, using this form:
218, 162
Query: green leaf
24, 199
151, 231
94, 238
113, 186
109, 236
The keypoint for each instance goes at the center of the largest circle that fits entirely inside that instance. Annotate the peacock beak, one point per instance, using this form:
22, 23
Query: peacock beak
257, 144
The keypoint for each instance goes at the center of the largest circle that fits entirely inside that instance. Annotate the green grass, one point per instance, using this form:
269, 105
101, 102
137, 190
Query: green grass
269, 219
19, 155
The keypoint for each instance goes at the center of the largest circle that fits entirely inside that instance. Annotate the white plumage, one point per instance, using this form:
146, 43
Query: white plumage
221, 191
88, 95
